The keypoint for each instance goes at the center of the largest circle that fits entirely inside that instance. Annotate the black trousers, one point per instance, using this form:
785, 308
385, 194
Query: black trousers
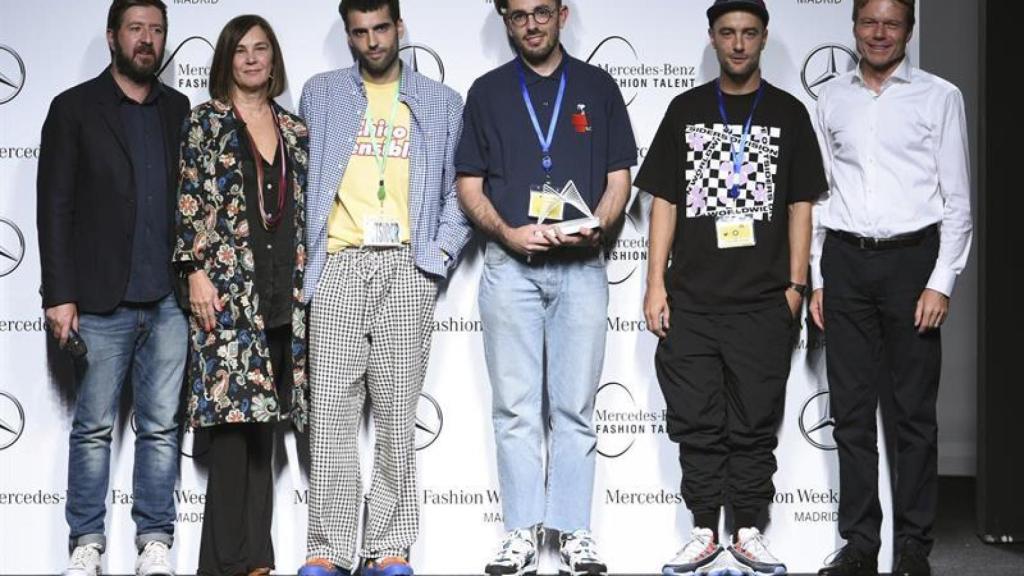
875, 357
724, 380
240, 485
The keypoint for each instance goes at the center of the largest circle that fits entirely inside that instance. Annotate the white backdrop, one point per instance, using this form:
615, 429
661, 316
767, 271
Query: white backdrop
655, 49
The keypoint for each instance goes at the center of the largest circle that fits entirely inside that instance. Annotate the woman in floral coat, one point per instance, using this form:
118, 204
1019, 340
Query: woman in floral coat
240, 243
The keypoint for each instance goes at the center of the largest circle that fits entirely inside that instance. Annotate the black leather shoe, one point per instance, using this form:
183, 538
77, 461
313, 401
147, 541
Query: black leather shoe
913, 561
851, 562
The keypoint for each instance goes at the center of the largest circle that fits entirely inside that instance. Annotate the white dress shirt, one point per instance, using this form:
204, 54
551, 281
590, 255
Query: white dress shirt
897, 162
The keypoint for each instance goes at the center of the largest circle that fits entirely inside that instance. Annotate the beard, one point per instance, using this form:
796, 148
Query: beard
539, 55
377, 68
126, 64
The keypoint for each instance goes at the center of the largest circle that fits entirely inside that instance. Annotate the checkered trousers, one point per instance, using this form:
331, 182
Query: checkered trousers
370, 329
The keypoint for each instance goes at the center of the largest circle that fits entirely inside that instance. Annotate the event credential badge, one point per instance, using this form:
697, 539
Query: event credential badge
550, 204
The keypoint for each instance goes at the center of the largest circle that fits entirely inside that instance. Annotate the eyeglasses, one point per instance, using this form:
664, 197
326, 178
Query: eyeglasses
541, 15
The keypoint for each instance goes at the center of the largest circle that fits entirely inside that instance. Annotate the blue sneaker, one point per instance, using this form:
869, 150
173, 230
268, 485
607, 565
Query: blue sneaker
322, 567
387, 566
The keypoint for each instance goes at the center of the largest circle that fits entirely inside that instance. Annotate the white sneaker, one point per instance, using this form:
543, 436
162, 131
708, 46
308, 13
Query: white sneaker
85, 561
724, 564
154, 560
517, 554
699, 552
751, 549
579, 556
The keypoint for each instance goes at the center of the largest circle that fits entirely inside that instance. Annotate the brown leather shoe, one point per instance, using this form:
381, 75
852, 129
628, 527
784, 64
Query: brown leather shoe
260, 572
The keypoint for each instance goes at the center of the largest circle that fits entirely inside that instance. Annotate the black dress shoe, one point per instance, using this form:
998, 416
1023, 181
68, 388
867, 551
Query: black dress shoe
913, 562
851, 562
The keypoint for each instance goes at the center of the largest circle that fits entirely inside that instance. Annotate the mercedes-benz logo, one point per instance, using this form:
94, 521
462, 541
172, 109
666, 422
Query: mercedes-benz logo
429, 421
816, 421
824, 64
193, 444
12, 74
614, 444
12, 420
632, 50
619, 275
12, 247
169, 59
414, 50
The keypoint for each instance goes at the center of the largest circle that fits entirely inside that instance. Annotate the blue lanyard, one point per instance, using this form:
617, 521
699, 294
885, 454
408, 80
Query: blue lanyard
737, 152
545, 142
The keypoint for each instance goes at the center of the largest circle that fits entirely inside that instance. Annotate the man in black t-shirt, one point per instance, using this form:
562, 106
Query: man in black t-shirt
734, 168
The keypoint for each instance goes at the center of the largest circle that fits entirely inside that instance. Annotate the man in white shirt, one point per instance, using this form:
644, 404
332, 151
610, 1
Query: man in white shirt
890, 239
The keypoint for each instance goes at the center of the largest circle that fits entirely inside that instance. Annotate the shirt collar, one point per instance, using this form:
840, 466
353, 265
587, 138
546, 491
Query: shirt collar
532, 77
156, 88
406, 90
903, 73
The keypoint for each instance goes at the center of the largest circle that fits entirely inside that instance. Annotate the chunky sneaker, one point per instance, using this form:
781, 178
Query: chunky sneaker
579, 556
517, 555
751, 550
387, 566
85, 561
699, 552
321, 567
724, 565
154, 560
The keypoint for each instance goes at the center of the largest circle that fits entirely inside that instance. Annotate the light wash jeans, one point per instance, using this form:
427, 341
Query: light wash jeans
143, 344
548, 317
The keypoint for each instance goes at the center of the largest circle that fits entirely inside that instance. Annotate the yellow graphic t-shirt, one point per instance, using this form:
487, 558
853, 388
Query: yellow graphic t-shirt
357, 193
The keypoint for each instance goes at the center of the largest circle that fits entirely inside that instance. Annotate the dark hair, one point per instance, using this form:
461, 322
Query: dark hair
119, 7
221, 71
908, 4
347, 6
502, 6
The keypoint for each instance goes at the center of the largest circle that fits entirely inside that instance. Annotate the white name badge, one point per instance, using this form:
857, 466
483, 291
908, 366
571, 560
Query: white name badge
735, 232
381, 232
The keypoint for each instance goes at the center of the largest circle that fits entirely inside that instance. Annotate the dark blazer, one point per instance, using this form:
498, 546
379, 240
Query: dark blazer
86, 197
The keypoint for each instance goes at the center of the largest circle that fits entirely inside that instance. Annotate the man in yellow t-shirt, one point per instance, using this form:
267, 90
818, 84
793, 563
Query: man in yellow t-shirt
358, 200
383, 226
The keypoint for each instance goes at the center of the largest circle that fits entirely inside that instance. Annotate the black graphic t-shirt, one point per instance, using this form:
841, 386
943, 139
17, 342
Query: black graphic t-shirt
690, 164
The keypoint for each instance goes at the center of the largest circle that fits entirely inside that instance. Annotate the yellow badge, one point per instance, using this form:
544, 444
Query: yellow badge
545, 204
735, 232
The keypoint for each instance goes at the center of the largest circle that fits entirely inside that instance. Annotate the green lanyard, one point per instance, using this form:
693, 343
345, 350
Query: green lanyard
380, 153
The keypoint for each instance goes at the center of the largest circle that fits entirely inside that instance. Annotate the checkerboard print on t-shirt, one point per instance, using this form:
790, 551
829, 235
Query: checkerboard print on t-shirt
710, 172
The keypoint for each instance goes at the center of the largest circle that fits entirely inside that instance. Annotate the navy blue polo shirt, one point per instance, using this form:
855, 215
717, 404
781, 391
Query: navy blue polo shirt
500, 144
150, 277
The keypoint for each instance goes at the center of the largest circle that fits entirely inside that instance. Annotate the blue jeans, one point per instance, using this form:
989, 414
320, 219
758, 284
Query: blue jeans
147, 342
548, 316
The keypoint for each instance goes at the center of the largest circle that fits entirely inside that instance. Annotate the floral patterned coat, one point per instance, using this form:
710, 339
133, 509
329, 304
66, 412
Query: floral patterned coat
230, 378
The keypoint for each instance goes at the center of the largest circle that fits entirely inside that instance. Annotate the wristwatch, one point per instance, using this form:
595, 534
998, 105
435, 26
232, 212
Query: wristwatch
800, 289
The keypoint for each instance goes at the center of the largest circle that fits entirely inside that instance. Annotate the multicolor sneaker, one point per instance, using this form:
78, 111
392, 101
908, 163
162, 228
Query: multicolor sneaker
85, 560
698, 553
387, 566
321, 567
578, 555
517, 554
751, 550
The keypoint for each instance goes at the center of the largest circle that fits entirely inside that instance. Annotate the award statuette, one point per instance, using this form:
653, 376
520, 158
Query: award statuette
571, 196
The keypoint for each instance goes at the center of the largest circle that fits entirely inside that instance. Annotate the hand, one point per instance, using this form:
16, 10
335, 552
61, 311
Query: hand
203, 299
586, 237
656, 309
818, 308
527, 240
932, 309
62, 319
794, 299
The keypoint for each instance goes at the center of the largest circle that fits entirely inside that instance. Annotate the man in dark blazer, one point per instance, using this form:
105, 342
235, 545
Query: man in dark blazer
106, 195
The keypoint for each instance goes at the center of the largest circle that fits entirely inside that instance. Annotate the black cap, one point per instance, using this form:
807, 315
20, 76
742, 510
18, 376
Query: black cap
722, 6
